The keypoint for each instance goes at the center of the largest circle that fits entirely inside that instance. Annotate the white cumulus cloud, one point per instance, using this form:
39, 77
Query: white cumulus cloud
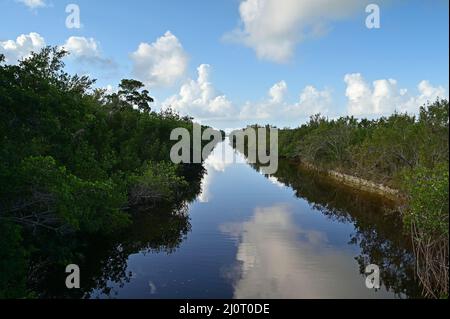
384, 96
161, 63
86, 50
278, 92
22, 47
312, 101
199, 98
273, 28
33, 4
268, 107
275, 107
82, 47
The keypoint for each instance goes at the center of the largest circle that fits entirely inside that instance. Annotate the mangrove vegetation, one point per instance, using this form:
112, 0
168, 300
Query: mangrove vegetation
404, 152
77, 162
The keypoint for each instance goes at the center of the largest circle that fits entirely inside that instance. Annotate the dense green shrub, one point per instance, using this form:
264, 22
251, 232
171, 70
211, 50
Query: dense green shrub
428, 205
379, 150
402, 151
13, 262
74, 159
159, 181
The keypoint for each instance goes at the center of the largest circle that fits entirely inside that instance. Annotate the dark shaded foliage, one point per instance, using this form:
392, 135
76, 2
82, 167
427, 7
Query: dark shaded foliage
76, 162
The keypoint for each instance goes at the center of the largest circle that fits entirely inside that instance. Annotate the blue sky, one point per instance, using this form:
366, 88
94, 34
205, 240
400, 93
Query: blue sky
231, 62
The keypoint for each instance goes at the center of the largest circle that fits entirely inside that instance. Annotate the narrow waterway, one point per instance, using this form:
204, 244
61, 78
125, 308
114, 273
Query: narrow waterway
251, 236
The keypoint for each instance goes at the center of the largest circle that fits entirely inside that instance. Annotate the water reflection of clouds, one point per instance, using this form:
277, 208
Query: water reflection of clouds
275, 181
279, 259
205, 194
218, 161
223, 156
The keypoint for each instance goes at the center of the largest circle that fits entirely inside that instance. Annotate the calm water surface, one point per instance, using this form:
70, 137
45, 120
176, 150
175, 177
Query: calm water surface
251, 236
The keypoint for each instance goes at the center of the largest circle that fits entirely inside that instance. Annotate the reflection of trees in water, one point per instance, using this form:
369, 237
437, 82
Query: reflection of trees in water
103, 260
378, 227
